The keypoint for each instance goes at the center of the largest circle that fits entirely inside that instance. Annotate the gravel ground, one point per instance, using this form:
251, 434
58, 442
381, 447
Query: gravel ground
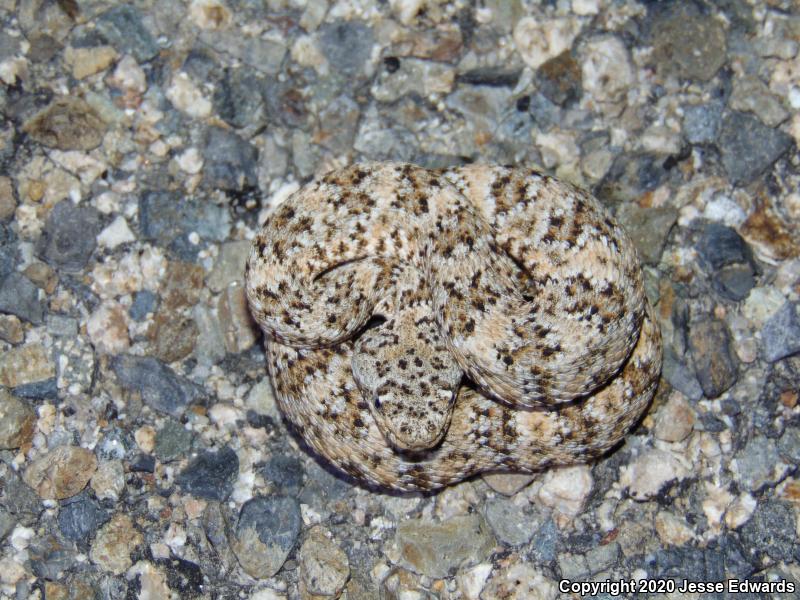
141, 452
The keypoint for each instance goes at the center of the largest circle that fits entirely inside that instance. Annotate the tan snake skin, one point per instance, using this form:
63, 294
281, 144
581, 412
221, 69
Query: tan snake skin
426, 325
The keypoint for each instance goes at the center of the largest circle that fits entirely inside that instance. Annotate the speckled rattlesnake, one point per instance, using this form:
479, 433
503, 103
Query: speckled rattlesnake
423, 326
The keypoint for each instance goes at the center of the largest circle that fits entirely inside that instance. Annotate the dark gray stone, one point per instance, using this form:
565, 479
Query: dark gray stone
544, 112
716, 366
173, 440
687, 43
630, 176
7, 523
50, 559
38, 390
210, 475
781, 333
734, 282
160, 388
69, 236
285, 473
756, 463
8, 250
347, 45
720, 246
276, 521
20, 297
322, 489
749, 147
238, 98
143, 302
544, 542
122, 27
142, 463
559, 79
230, 161
167, 219
771, 530
80, 517
17, 497
701, 122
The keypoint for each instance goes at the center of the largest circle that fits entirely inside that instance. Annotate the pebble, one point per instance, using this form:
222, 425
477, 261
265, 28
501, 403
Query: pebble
716, 365
107, 327
211, 474
108, 481
702, 122
648, 228
418, 76
508, 521
740, 511
758, 464
67, 123
507, 484
672, 529
229, 265
606, 72
69, 236
284, 473
750, 94
749, 147
347, 45
122, 27
115, 234
239, 330
566, 489
144, 303
559, 79
265, 534
172, 336
114, 543
11, 329
20, 297
188, 97
239, 99
89, 61
539, 40
781, 333
161, 389
7, 202
25, 364
324, 567
80, 517
771, 530
688, 45
675, 420
435, 549
789, 444
230, 161
17, 422
61, 472
650, 472
172, 441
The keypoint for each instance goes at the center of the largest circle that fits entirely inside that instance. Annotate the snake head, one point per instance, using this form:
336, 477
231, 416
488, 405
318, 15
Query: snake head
408, 378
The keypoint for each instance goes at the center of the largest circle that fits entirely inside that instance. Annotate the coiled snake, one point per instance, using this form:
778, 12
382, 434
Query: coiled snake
426, 325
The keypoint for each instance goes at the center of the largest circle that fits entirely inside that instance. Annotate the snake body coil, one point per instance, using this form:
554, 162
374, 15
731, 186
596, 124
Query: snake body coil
423, 326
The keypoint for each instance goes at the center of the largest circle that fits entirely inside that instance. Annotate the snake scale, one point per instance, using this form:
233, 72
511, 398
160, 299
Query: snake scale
423, 326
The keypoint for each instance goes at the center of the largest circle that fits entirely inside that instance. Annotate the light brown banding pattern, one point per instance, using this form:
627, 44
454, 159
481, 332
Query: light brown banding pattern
423, 326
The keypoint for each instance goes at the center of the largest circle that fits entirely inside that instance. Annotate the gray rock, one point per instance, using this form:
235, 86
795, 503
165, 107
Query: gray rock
687, 44
734, 282
789, 444
266, 532
167, 219
347, 46
630, 176
438, 549
758, 464
17, 497
544, 112
229, 265
701, 122
749, 147
160, 388
210, 475
781, 333
716, 365
68, 239
50, 559
322, 489
508, 521
545, 541
771, 530
238, 98
680, 376
7, 523
285, 473
173, 440
230, 161
80, 517
122, 27
144, 302
8, 250
338, 123
62, 325
720, 246
573, 566
20, 297
648, 228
